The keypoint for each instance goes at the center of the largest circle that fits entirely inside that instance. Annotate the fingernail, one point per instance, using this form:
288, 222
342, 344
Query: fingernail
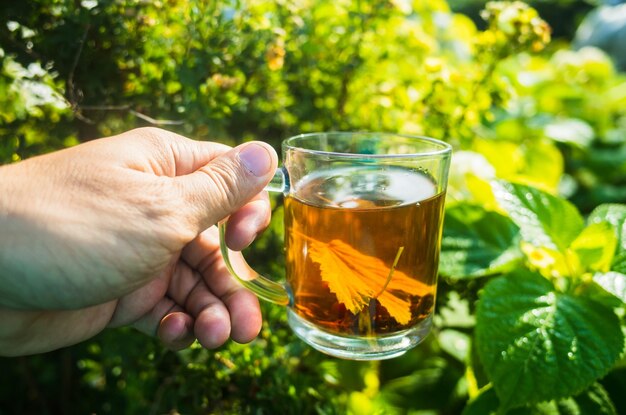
256, 159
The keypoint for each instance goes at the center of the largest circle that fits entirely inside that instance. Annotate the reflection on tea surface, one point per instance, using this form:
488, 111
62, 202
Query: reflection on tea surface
362, 249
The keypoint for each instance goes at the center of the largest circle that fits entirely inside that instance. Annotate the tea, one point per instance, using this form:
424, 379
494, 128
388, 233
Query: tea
362, 248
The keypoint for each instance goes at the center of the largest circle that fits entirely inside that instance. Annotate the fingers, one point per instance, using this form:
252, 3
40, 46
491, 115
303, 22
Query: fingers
245, 224
245, 315
176, 330
211, 180
189, 311
225, 184
210, 307
243, 306
169, 323
161, 152
212, 325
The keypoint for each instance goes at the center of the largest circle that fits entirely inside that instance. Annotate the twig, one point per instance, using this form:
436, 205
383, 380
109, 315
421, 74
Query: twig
78, 111
393, 268
70, 77
155, 121
105, 107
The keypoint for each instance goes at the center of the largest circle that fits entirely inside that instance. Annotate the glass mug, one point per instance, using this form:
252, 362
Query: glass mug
363, 223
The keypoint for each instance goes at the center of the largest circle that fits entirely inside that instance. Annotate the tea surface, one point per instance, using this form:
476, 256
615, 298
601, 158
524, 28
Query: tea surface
362, 249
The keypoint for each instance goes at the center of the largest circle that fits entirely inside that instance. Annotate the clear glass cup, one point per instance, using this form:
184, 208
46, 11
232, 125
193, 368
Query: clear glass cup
363, 222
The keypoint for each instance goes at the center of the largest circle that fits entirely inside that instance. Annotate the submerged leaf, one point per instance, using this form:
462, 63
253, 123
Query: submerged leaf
356, 278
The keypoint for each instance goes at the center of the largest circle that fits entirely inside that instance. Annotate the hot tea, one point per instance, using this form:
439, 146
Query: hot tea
362, 248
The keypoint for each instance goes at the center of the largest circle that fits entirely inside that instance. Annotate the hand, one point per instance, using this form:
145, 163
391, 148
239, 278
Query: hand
120, 231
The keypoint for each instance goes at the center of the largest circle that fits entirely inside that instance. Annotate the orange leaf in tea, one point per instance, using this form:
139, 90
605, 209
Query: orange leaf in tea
356, 279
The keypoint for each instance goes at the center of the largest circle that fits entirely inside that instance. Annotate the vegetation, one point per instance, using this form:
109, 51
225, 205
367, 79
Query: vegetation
530, 313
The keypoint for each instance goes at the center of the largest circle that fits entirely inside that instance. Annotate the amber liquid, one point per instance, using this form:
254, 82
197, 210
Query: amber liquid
362, 249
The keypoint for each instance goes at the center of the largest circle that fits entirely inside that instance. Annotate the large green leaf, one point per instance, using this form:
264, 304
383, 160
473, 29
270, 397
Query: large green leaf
477, 242
614, 214
593, 401
544, 220
538, 344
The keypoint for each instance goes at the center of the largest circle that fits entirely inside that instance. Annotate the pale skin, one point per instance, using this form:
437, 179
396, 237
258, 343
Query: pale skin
119, 231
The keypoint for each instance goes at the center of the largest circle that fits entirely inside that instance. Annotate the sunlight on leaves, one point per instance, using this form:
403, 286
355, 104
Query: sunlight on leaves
614, 214
613, 283
537, 163
544, 220
595, 246
549, 262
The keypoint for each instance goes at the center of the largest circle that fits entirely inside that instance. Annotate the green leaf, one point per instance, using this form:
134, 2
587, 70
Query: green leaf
613, 283
614, 214
455, 343
595, 246
486, 403
570, 131
619, 262
477, 242
455, 312
538, 344
593, 401
543, 219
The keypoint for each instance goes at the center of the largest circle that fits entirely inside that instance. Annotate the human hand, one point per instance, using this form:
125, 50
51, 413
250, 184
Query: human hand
119, 231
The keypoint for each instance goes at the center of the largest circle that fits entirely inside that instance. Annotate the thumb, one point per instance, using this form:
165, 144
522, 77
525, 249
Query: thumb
226, 183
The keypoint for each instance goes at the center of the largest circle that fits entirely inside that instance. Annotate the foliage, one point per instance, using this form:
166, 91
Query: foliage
531, 302
551, 325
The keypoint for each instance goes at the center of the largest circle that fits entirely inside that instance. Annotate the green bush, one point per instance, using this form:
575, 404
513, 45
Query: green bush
530, 315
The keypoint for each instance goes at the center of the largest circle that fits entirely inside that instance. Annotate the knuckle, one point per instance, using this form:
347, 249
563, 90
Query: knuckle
149, 133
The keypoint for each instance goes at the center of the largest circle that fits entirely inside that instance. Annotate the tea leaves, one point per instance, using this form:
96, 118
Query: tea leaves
529, 334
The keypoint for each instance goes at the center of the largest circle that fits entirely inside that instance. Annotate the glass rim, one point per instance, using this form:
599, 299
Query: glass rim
442, 150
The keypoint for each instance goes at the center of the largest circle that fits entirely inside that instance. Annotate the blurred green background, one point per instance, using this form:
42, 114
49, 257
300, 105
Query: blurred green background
515, 104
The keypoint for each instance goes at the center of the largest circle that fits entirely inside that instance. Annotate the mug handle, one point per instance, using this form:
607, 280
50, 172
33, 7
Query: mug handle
262, 286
